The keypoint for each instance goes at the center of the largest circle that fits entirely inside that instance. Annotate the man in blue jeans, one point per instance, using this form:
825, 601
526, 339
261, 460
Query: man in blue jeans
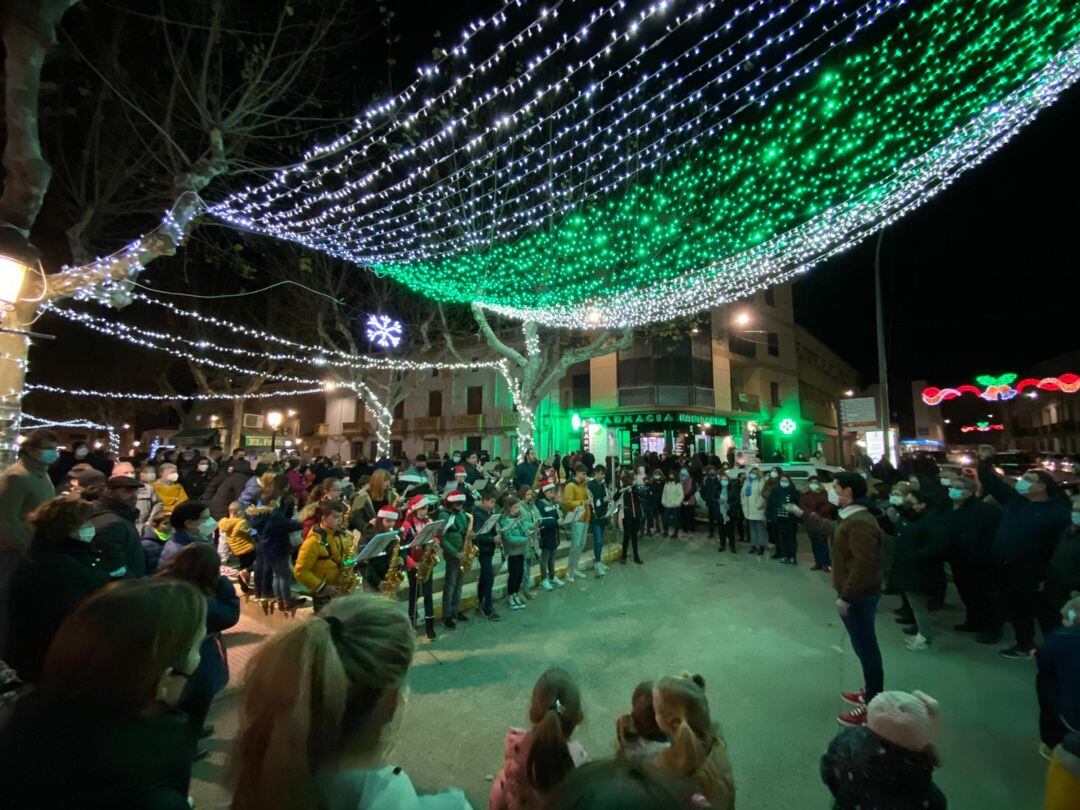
856, 574
600, 499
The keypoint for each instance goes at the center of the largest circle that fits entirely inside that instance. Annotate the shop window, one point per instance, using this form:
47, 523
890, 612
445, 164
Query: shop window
774, 344
774, 394
474, 396
434, 403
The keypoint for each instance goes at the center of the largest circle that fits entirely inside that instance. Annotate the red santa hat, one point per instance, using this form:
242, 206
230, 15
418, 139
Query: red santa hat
457, 496
416, 502
459, 470
547, 486
389, 513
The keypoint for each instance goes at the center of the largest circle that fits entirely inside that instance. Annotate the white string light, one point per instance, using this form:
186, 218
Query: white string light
34, 422
198, 397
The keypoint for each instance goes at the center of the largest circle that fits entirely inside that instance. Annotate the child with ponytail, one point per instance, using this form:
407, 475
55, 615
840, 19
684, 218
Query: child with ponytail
320, 704
697, 750
537, 761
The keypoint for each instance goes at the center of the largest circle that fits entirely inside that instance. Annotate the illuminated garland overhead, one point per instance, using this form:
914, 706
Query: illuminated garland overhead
146, 397
1001, 388
30, 422
870, 137
981, 427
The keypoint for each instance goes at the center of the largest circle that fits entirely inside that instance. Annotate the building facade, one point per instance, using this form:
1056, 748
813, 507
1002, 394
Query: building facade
1045, 421
746, 377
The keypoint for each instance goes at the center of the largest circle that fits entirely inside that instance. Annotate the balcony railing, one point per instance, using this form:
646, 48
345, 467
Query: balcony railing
467, 421
747, 403
509, 419
355, 428
427, 424
322, 429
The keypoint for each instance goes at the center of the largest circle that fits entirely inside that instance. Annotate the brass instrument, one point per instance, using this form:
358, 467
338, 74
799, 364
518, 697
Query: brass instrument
348, 579
395, 573
427, 562
468, 550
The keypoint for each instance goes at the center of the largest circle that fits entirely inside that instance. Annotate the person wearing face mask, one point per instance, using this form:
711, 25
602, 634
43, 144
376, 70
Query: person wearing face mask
1033, 516
771, 481
191, 522
104, 706
169, 488
651, 503
197, 478
856, 577
786, 522
752, 501
23, 487
918, 568
353, 662
818, 516
972, 525
117, 539
710, 493
61, 569
671, 499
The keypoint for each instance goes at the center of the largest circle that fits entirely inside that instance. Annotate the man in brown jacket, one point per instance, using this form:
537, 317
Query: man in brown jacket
856, 574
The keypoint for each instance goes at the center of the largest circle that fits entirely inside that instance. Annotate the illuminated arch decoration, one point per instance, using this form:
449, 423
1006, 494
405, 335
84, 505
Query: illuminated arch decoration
627, 192
981, 427
1001, 388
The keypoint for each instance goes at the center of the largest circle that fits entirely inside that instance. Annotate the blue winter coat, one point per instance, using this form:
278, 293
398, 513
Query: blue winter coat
177, 543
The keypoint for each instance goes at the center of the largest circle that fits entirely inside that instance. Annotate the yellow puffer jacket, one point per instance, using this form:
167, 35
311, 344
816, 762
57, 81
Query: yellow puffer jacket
575, 495
321, 558
237, 535
172, 495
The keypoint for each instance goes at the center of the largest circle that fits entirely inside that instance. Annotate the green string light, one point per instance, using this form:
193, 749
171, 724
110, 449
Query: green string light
832, 153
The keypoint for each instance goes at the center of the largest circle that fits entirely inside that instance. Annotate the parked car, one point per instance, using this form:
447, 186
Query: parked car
1014, 463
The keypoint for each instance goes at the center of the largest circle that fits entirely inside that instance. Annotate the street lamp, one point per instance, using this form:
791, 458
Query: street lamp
274, 419
742, 319
17, 257
849, 393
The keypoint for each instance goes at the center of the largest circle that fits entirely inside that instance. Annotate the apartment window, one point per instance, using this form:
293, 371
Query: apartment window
431, 447
770, 297
395, 448
581, 395
434, 403
473, 443
742, 347
671, 361
474, 399
774, 394
774, 344
399, 410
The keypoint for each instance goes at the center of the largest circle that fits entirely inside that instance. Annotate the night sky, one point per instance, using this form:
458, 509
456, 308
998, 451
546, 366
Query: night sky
980, 280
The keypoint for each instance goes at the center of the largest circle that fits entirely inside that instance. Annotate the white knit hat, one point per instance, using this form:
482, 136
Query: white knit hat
909, 720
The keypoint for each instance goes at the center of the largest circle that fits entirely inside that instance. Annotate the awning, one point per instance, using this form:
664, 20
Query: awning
202, 436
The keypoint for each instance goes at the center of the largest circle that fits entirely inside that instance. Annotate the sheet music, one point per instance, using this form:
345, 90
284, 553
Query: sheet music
572, 517
613, 509
490, 524
377, 545
427, 534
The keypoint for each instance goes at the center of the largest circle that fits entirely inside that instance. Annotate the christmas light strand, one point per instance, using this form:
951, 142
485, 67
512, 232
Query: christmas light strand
30, 422
1067, 383
197, 397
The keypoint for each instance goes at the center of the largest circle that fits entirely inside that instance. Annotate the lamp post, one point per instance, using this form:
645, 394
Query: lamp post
274, 419
17, 258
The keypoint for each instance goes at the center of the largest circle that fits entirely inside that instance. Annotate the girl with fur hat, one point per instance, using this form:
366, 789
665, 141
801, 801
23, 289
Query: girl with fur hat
889, 762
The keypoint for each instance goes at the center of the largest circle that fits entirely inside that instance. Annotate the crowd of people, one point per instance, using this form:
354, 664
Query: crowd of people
88, 575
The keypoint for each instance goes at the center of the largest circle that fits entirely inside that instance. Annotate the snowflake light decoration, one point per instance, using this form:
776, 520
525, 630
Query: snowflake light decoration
383, 331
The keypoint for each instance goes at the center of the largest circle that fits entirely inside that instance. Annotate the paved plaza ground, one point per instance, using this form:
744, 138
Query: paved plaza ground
765, 636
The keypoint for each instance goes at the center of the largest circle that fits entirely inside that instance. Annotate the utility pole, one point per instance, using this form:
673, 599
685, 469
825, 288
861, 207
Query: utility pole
883, 371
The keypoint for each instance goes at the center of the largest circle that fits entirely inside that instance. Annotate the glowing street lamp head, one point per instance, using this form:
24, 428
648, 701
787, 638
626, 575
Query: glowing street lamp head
742, 319
849, 393
274, 419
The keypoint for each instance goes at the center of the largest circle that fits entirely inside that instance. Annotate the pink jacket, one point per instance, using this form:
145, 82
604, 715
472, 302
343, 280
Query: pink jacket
296, 482
511, 790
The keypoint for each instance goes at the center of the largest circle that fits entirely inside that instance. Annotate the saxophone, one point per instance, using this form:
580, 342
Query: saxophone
427, 562
468, 550
395, 573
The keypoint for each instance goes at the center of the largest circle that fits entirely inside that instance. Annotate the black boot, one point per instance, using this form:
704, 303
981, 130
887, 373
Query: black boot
429, 629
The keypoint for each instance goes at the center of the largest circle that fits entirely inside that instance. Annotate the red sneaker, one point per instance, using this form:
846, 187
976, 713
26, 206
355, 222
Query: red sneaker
854, 698
855, 717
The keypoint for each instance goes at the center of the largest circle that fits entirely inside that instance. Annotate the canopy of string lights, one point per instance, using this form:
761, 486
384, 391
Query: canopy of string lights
631, 162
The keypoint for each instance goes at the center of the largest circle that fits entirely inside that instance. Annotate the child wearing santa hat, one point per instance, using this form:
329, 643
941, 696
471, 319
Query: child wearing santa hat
416, 518
385, 520
889, 761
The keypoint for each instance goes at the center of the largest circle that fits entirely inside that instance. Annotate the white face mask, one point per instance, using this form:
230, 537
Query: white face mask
815, 487
785, 483
202, 467
774, 474
148, 477
172, 477
82, 452
945, 481
87, 532
206, 528
834, 499
1023, 485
